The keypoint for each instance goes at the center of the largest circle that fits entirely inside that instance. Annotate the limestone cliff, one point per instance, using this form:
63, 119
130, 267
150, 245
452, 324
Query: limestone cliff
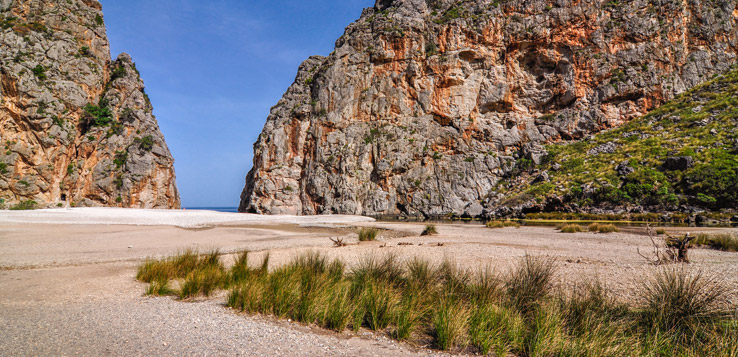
75, 125
426, 104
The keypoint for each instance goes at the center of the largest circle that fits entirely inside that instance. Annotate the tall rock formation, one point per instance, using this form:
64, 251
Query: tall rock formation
75, 125
425, 105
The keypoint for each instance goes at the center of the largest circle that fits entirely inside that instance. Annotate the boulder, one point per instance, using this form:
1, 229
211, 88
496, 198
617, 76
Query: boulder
679, 163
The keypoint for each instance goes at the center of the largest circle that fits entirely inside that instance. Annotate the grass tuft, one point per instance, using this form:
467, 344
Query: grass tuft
571, 228
530, 282
603, 228
496, 328
340, 308
450, 320
502, 224
410, 313
368, 234
430, 230
203, 281
726, 242
675, 299
159, 288
380, 303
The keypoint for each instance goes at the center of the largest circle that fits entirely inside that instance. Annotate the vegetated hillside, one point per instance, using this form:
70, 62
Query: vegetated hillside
682, 157
75, 125
425, 105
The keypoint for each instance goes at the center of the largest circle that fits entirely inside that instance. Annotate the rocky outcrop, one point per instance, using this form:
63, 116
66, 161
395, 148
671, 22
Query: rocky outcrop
678, 160
75, 126
425, 105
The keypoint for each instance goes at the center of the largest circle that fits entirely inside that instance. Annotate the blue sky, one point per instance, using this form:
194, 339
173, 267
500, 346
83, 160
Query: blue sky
214, 68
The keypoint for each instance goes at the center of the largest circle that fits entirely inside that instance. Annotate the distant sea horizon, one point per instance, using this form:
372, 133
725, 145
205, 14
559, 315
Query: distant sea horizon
217, 209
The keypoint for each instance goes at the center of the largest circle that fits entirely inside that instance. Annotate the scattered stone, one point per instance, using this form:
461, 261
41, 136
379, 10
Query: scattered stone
535, 152
624, 169
607, 148
543, 177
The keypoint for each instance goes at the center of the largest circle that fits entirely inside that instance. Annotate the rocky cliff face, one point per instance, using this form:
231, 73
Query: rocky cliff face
75, 126
425, 105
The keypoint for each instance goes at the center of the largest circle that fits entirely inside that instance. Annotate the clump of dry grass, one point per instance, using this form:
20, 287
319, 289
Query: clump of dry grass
502, 224
724, 241
571, 228
678, 299
203, 281
176, 266
530, 282
450, 322
160, 287
430, 229
603, 228
368, 234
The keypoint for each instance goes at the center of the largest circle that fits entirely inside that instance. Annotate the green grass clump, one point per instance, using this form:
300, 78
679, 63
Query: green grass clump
203, 281
159, 287
725, 241
608, 228
368, 234
498, 329
502, 224
523, 313
200, 273
450, 321
380, 302
603, 228
340, 309
677, 300
410, 313
24, 206
530, 282
660, 231
430, 229
571, 228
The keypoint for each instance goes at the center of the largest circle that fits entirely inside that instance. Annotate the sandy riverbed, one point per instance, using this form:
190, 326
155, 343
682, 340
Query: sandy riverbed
68, 286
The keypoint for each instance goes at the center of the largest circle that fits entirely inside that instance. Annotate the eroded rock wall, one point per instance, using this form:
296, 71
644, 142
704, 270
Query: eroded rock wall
75, 126
426, 104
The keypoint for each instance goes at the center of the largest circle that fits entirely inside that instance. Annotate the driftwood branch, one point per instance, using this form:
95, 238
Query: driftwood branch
338, 242
670, 250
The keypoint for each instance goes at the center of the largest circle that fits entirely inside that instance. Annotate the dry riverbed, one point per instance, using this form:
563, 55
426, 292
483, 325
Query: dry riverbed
68, 282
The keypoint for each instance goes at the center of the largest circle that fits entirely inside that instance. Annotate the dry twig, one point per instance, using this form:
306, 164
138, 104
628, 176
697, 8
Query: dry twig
338, 242
671, 250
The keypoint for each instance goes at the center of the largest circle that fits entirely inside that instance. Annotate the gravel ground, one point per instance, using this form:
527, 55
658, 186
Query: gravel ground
163, 327
99, 309
69, 289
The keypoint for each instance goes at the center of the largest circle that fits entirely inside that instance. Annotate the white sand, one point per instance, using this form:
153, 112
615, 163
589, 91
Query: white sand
178, 218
